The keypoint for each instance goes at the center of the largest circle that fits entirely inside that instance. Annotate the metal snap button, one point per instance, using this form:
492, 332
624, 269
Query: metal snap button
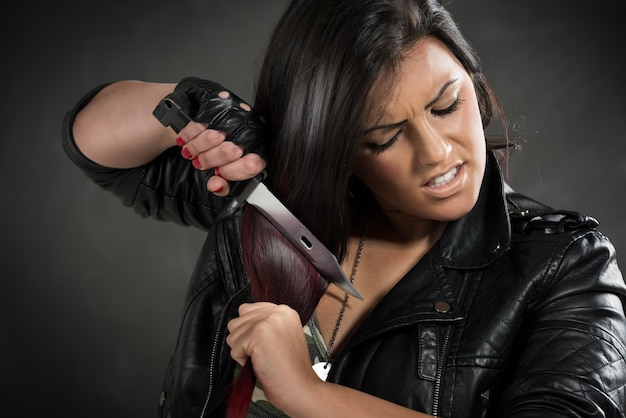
442, 307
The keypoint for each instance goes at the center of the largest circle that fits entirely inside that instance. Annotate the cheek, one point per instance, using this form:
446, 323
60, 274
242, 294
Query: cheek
380, 174
474, 121
467, 133
366, 171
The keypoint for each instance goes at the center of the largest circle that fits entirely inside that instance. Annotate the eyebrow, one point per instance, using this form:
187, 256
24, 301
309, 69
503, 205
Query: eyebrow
431, 103
385, 127
441, 92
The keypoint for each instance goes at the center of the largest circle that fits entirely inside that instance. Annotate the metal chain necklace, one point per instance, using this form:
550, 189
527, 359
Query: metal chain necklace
323, 368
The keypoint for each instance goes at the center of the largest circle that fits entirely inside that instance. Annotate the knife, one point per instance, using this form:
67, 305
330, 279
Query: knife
255, 193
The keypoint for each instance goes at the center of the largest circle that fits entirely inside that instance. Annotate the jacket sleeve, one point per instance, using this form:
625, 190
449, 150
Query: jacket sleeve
168, 188
573, 362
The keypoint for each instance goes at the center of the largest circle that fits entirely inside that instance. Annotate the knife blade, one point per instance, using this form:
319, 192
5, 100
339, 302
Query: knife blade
255, 193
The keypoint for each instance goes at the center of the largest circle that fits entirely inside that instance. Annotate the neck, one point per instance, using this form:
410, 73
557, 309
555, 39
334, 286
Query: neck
403, 230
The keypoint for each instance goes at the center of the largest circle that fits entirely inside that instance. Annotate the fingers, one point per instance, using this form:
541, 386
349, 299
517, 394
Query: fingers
203, 141
206, 147
218, 185
271, 337
209, 149
258, 327
217, 156
242, 168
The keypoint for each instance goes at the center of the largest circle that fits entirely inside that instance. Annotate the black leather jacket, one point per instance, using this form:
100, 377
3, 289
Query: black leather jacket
518, 310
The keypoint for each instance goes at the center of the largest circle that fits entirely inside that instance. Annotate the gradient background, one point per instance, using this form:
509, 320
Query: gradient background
91, 295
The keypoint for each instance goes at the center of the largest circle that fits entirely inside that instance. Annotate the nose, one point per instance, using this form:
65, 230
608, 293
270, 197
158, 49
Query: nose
431, 146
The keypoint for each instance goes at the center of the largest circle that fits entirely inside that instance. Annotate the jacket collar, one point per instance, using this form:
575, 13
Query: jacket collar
469, 243
484, 234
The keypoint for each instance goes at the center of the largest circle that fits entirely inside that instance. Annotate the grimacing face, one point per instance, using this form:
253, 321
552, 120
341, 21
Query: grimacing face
424, 157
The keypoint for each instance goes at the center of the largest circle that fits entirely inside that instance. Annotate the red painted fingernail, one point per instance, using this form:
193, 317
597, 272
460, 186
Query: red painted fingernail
180, 142
221, 189
196, 163
217, 171
186, 154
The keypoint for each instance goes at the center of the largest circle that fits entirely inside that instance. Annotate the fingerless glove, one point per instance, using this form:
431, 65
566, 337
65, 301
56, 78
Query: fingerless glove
201, 101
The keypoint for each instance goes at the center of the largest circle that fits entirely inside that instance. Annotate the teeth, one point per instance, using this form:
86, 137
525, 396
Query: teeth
444, 179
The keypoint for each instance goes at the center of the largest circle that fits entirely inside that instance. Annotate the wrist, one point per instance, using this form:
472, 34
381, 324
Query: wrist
306, 401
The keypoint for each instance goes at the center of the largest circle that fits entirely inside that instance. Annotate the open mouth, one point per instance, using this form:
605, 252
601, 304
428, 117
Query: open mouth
444, 178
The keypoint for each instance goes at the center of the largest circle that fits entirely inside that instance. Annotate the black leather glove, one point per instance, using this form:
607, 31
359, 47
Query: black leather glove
199, 99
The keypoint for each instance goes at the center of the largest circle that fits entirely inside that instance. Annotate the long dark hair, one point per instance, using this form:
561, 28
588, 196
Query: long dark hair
320, 66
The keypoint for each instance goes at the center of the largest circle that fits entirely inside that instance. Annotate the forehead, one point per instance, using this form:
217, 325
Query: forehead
426, 66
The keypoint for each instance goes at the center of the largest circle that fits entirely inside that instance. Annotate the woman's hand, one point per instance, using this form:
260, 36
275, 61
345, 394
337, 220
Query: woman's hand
210, 149
233, 145
271, 336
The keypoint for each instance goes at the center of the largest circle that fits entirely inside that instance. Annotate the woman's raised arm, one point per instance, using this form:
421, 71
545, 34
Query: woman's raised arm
117, 129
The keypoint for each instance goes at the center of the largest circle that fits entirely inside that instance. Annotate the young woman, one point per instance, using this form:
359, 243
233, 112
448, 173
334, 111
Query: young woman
369, 120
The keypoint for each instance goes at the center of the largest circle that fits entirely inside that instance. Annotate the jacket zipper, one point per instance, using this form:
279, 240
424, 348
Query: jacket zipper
443, 353
216, 341
439, 375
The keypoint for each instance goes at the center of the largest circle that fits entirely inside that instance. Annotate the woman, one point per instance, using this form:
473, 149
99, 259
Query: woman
477, 301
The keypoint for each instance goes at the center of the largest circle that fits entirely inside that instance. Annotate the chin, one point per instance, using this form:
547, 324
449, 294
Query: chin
456, 208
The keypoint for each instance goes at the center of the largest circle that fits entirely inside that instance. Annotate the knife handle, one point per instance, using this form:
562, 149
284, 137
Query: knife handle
170, 113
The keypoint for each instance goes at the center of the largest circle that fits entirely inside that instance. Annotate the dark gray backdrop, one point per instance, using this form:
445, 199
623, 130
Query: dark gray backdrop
91, 295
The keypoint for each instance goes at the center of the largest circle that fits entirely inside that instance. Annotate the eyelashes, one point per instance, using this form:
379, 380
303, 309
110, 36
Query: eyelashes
376, 148
448, 110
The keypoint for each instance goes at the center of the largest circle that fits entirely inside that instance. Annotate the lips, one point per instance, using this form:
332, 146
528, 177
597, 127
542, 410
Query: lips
443, 179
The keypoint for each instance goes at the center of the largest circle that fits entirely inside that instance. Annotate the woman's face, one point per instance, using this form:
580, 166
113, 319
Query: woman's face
423, 157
